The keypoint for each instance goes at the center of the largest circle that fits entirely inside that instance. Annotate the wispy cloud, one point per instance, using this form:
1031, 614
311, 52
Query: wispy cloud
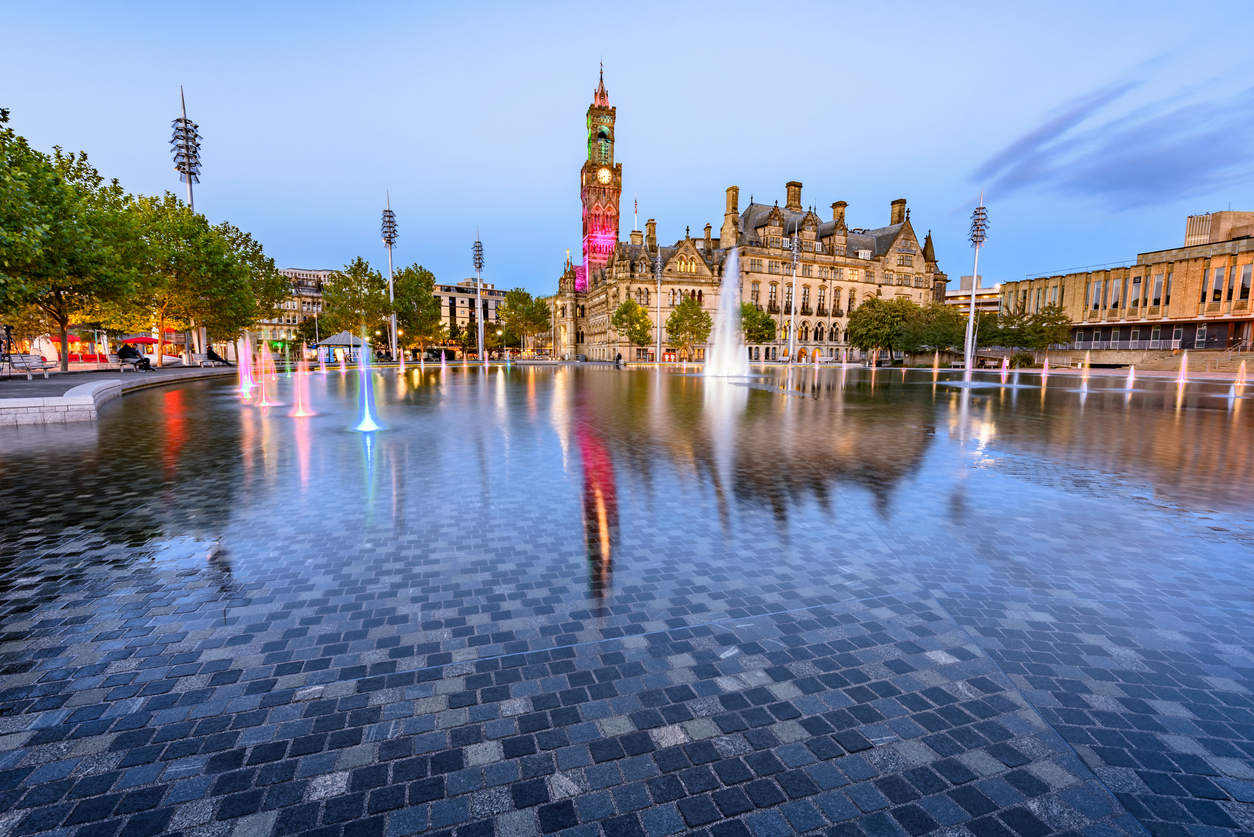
1154, 154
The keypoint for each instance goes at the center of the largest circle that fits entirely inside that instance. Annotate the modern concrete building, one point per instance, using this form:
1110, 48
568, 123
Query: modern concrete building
987, 299
1192, 297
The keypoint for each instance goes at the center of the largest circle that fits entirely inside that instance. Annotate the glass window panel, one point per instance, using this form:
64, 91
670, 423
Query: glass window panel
1205, 278
1157, 298
1246, 270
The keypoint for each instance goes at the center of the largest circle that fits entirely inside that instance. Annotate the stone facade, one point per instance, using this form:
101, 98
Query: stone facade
1191, 297
837, 267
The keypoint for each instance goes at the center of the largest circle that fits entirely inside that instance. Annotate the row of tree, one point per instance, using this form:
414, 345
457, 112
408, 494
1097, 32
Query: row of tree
355, 299
901, 325
77, 250
876, 325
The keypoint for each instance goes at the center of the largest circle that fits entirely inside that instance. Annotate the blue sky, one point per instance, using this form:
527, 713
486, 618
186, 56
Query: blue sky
1093, 128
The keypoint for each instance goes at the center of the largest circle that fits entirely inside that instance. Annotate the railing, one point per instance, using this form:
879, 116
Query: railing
807, 311
1243, 346
822, 310
772, 308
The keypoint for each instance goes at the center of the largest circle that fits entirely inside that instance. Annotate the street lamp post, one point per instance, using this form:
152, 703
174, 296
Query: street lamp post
979, 232
389, 239
658, 306
186, 142
478, 259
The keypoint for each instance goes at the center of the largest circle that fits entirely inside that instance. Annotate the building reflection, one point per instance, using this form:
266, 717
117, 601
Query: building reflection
600, 511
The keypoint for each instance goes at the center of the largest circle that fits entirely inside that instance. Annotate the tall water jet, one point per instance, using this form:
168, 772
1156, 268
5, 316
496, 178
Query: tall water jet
443, 363
936, 363
343, 365
1131, 378
1084, 375
402, 353
287, 360
1045, 371
365, 391
728, 357
1005, 368
264, 353
302, 409
244, 360
1239, 385
1184, 370
422, 362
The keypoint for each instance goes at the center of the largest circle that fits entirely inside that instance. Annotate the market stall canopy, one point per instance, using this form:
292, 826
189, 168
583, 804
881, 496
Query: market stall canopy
147, 339
342, 339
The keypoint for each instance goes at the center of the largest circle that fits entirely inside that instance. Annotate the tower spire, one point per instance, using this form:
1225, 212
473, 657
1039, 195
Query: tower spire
602, 96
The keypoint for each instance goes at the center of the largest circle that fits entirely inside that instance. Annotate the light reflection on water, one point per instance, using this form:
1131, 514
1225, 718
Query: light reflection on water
632, 470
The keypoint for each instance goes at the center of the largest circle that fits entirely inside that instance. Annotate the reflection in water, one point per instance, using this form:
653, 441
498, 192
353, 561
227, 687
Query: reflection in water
600, 510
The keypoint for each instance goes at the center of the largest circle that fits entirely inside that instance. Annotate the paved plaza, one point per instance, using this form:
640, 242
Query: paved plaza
601, 603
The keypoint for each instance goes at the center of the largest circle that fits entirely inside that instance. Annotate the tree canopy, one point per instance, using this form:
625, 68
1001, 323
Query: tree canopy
417, 307
355, 299
687, 325
632, 321
756, 323
523, 315
876, 324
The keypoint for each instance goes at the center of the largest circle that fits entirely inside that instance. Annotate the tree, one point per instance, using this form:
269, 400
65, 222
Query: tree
523, 315
1049, 326
269, 287
1014, 328
756, 323
688, 324
188, 274
932, 327
632, 321
355, 299
84, 241
29, 193
876, 324
417, 307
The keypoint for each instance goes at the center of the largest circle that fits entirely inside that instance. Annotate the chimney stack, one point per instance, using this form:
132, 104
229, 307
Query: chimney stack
899, 211
650, 234
729, 234
793, 188
637, 237
709, 245
838, 215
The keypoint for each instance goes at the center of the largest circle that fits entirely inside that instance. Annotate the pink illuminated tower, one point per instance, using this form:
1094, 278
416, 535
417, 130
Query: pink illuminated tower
601, 184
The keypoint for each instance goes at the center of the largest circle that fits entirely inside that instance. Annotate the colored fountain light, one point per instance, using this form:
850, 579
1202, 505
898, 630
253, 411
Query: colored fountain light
262, 356
1184, 370
243, 360
343, 366
365, 389
1045, 371
728, 357
302, 408
443, 362
1238, 386
1131, 378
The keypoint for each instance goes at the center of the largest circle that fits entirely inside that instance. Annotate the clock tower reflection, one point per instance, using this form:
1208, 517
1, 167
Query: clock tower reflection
600, 511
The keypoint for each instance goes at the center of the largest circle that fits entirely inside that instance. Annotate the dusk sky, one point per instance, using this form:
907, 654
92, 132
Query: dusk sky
1093, 128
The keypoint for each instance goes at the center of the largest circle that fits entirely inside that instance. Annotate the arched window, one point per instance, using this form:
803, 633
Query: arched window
672, 297
700, 298
818, 333
853, 300
805, 332
836, 298
646, 296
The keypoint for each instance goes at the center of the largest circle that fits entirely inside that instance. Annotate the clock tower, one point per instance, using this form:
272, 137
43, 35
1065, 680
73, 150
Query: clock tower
600, 185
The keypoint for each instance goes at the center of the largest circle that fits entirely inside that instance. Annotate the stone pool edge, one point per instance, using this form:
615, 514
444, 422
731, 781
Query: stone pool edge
82, 403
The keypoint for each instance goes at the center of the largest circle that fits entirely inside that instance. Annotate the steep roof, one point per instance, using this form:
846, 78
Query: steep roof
878, 241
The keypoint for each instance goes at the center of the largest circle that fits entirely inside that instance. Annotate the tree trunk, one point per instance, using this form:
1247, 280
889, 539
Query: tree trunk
160, 338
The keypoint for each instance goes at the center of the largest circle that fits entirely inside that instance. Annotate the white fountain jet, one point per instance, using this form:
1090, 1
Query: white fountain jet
728, 357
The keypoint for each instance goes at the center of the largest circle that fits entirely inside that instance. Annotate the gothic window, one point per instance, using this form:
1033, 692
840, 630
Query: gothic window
672, 297
818, 333
755, 289
822, 296
853, 300
805, 332
771, 298
700, 298
805, 296
788, 298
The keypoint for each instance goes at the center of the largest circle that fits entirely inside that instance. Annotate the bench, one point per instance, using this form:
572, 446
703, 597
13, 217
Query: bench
122, 363
202, 360
31, 363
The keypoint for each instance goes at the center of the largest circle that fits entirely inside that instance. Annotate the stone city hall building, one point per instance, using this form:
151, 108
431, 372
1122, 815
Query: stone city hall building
1191, 297
837, 267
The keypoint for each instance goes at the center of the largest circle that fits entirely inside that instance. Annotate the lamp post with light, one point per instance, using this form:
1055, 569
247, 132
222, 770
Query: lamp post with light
979, 232
389, 239
478, 259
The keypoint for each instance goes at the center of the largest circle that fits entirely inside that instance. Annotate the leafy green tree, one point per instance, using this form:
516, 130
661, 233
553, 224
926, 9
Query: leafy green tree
756, 324
687, 325
632, 321
932, 327
1015, 328
269, 287
1049, 326
86, 241
523, 315
417, 307
876, 324
188, 274
468, 337
30, 193
354, 299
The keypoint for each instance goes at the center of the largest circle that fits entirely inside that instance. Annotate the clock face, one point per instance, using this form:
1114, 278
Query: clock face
604, 175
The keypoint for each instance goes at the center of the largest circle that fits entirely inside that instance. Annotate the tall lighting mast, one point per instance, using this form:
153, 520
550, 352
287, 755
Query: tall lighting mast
389, 239
186, 143
979, 232
478, 253
658, 305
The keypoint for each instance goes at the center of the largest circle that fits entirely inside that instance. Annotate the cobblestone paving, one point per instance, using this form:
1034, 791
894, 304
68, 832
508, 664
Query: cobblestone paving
460, 626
